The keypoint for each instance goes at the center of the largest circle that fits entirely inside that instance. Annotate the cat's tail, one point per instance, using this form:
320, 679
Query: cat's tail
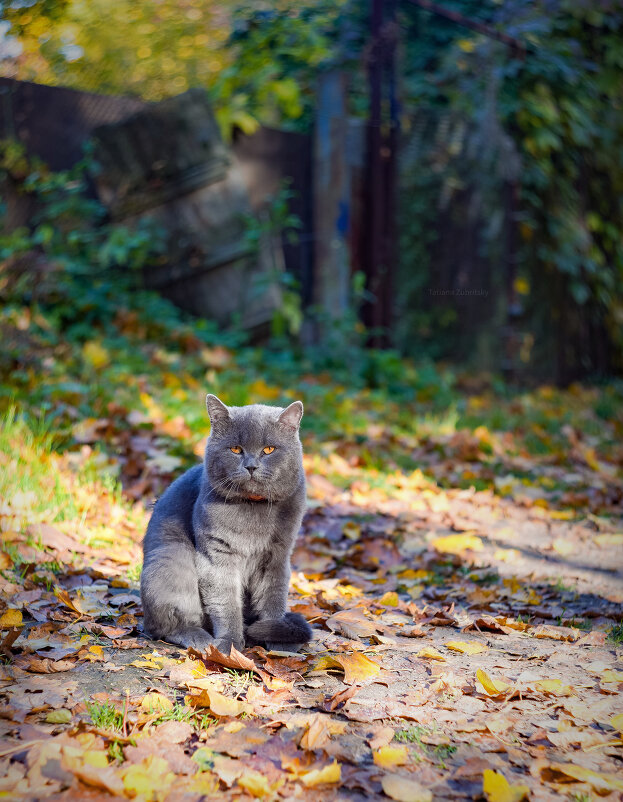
292, 628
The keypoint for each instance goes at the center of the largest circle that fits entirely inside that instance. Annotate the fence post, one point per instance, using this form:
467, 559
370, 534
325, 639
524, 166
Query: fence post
332, 208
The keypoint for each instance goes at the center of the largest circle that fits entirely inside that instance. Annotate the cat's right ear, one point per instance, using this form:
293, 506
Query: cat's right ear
218, 412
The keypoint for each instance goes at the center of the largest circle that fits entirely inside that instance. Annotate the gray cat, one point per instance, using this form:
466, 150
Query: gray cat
217, 548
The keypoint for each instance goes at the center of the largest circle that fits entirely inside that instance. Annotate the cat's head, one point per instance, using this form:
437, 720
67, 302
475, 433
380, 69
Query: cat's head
254, 452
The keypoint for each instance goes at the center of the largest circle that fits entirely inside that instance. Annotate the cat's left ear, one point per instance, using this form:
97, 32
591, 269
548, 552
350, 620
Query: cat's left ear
291, 416
217, 410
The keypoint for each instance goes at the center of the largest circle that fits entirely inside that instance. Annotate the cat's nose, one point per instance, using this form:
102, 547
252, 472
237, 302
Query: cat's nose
251, 468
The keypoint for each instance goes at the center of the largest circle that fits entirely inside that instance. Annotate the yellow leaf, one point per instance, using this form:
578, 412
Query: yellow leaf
94, 758
150, 779
389, 599
463, 647
220, 705
255, 783
430, 653
95, 354
600, 782
614, 539
554, 687
356, 667
155, 703
563, 547
403, 789
611, 675
497, 788
617, 722
389, 756
456, 544
5, 561
491, 687
351, 530
329, 774
11, 618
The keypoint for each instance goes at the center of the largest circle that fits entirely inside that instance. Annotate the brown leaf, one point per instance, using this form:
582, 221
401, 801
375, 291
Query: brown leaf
556, 633
46, 666
338, 699
353, 624
234, 659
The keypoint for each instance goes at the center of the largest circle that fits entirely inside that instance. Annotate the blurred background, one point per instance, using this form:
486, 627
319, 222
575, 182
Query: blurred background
437, 181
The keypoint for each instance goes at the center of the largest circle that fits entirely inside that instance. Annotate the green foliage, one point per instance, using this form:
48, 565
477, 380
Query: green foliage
550, 122
104, 715
616, 634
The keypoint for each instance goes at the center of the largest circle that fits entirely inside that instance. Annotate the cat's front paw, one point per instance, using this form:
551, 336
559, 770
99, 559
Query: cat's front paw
283, 647
224, 645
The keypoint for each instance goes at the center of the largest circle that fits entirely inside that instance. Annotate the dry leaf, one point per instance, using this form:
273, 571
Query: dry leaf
234, 659
465, 648
602, 783
491, 687
255, 783
387, 757
352, 624
329, 774
457, 544
497, 788
403, 789
11, 618
430, 653
220, 705
556, 633
155, 703
150, 779
357, 667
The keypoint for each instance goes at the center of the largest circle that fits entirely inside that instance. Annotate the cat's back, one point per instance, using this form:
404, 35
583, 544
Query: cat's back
173, 512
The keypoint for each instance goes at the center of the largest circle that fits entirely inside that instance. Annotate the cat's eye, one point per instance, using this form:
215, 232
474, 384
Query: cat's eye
268, 449
236, 449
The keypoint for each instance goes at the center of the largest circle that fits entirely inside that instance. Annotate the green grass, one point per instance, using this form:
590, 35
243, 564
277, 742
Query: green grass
616, 634
413, 735
29, 482
105, 716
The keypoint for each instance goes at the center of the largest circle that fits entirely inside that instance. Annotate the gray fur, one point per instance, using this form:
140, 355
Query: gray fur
216, 562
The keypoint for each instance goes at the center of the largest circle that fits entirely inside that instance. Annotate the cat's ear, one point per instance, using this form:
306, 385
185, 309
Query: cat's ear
217, 410
291, 416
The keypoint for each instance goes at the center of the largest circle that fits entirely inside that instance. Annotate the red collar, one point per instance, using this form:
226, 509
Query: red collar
256, 498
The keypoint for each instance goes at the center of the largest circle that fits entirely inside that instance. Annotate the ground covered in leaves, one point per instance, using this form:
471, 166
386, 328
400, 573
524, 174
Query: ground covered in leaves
460, 563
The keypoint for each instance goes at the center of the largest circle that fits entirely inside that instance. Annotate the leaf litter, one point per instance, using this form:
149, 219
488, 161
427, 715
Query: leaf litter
467, 642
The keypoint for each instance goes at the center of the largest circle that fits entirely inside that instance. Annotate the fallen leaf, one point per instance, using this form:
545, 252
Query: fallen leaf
600, 782
430, 653
617, 722
556, 633
156, 703
496, 788
220, 705
11, 618
457, 544
150, 779
554, 687
403, 789
328, 775
234, 659
465, 648
491, 687
352, 624
357, 667
60, 716
387, 757
255, 783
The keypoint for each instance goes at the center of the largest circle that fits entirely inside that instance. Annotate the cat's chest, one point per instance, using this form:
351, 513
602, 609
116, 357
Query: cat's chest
248, 530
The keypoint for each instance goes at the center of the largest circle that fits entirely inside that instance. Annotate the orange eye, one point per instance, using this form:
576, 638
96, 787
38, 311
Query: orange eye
236, 449
268, 449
